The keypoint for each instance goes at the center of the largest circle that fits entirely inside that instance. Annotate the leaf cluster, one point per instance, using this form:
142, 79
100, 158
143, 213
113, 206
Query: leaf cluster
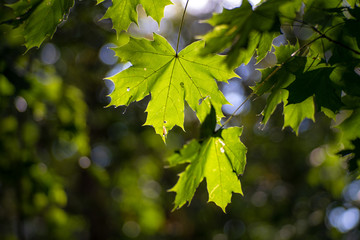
317, 70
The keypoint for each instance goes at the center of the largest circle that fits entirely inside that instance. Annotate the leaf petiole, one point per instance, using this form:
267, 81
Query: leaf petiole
181, 26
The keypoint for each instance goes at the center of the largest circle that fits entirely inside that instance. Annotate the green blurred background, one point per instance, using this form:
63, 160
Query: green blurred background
72, 169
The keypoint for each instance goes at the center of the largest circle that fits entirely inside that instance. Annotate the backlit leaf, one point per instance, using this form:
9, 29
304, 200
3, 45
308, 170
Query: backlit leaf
316, 83
220, 159
123, 12
171, 79
294, 114
41, 18
273, 100
247, 31
321, 11
276, 79
350, 128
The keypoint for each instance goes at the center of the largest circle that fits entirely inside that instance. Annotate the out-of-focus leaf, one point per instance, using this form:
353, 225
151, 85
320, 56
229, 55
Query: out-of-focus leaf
316, 82
280, 76
354, 155
246, 31
43, 20
321, 11
351, 102
275, 79
352, 3
272, 101
346, 77
123, 12
294, 114
6, 88
350, 128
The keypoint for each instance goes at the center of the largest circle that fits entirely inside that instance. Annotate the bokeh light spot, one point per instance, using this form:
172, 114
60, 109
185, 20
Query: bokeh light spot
230, 4
344, 219
234, 93
50, 54
151, 189
84, 162
259, 199
101, 156
352, 192
131, 229
287, 232
220, 236
20, 104
107, 55
198, 6
317, 157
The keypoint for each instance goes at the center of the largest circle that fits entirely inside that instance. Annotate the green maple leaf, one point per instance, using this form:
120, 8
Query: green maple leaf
219, 158
294, 114
246, 31
281, 77
171, 79
40, 18
350, 128
320, 11
353, 155
350, 139
316, 83
123, 12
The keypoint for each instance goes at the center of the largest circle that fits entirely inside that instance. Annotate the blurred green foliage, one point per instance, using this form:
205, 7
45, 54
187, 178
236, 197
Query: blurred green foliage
72, 169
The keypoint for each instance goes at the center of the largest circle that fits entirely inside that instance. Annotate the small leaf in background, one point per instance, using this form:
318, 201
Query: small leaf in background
316, 82
294, 114
353, 155
123, 12
350, 139
219, 158
40, 18
171, 79
280, 78
247, 31
321, 11
274, 99
350, 128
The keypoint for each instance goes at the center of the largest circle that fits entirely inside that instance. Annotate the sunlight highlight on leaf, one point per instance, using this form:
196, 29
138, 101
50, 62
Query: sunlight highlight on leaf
220, 158
123, 12
171, 80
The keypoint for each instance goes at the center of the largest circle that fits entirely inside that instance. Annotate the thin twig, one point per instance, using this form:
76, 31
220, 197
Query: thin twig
323, 35
181, 26
237, 109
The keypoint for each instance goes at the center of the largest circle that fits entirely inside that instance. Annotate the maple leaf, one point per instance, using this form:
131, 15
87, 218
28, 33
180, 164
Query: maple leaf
350, 139
294, 114
350, 128
353, 156
33, 13
320, 11
171, 79
247, 31
316, 82
219, 158
281, 77
123, 12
